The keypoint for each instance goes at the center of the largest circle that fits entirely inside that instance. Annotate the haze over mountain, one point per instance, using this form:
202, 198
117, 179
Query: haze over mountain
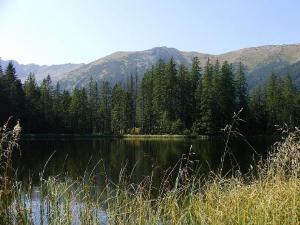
259, 63
40, 71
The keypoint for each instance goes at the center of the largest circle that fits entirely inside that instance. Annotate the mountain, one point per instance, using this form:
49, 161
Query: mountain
259, 62
42, 71
118, 66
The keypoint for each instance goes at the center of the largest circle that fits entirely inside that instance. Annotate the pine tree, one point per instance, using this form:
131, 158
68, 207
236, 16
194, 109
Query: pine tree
10, 73
118, 119
64, 103
32, 105
159, 94
60, 111
105, 107
273, 93
172, 90
257, 107
93, 105
225, 99
195, 88
131, 98
46, 100
185, 104
289, 93
241, 93
216, 106
13, 94
79, 111
206, 124
145, 100
241, 88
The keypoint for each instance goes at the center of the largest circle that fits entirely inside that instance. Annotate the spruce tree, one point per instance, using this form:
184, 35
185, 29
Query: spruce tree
257, 107
79, 111
185, 104
32, 105
118, 119
241, 93
105, 107
206, 123
289, 93
46, 100
65, 102
195, 87
160, 94
93, 105
147, 118
273, 93
241, 88
131, 101
14, 94
172, 90
10, 72
226, 95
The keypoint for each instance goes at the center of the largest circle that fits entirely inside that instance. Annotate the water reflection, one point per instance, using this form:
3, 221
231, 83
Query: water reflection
79, 157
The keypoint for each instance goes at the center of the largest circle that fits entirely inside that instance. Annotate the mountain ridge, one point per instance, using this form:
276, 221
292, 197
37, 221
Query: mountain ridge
259, 62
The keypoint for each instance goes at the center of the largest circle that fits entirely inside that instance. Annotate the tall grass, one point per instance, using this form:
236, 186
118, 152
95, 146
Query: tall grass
268, 194
8, 143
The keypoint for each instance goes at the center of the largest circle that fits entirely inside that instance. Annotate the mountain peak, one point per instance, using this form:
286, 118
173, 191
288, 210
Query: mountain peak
258, 61
116, 67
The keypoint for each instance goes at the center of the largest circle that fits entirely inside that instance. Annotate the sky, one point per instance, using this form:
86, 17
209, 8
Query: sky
64, 31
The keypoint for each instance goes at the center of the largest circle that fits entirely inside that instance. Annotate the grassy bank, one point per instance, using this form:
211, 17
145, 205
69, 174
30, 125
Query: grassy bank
268, 194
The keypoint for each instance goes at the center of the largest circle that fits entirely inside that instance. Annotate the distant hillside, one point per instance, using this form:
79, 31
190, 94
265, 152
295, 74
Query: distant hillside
259, 63
118, 66
41, 71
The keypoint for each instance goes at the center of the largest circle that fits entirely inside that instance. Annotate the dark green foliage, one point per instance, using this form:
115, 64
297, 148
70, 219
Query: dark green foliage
147, 119
32, 97
195, 87
289, 101
93, 106
105, 108
258, 113
206, 121
79, 111
170, 99
172, 90
225, 98
119, 121
46, 103
241, 89
185, 97
12, 97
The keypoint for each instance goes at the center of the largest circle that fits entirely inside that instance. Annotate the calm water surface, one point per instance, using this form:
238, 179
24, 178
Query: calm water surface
107, 156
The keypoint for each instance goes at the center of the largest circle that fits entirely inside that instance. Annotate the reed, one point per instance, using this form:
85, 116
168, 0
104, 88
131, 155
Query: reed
8, 144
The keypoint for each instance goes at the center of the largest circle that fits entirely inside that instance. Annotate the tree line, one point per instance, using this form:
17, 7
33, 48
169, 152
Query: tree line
170, 99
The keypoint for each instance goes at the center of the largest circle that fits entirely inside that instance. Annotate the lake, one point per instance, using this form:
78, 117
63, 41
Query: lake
103, 158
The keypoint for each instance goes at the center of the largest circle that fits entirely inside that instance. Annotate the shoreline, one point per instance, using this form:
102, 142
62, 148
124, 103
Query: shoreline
125, 136
128, 136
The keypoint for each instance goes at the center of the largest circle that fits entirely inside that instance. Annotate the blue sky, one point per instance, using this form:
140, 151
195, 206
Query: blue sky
63, 31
